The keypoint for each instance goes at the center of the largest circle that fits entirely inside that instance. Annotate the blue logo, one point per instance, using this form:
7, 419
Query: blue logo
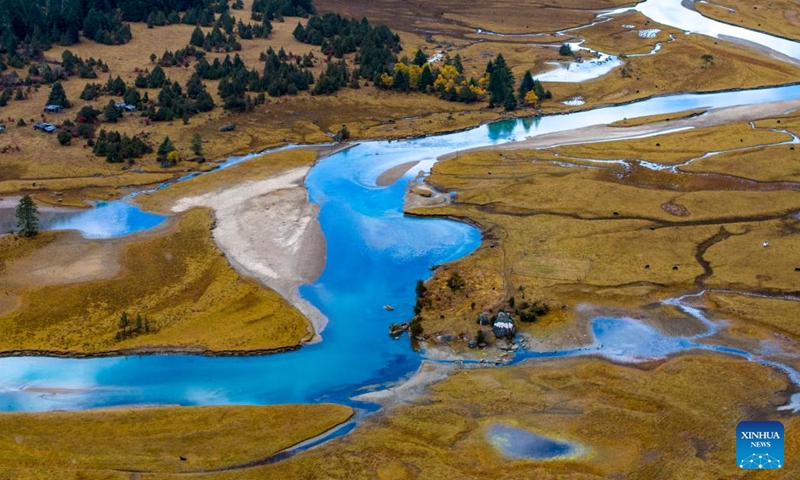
759, 445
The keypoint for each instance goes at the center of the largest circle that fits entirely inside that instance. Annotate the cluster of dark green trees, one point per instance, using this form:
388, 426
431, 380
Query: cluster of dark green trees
75, 65
16, 93
216, 39
180, 57
140, 10
277, 9
282, 74
130, 328
501, 84
530, 84
155, 79
29, 27
116, 87
376, 48
175, 102
197, 12
118, 147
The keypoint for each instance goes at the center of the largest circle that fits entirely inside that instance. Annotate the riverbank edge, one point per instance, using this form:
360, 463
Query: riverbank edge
282, 454
315, 335
771, 34
141, 351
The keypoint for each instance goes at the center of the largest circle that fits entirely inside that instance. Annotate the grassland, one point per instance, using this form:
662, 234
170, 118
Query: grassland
679, 67
451, 18
70, 175
777, 17
679, 147
65, 295
615, 35
117, 443
564, 229
634, 122
637, 421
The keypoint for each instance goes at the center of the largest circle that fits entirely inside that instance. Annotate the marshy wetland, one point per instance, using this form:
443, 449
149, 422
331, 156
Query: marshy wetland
665, 250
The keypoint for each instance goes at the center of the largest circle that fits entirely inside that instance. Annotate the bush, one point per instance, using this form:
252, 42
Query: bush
64, 137
415, 328
456, 283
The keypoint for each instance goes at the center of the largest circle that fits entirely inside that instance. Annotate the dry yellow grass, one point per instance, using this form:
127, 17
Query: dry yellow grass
742, 261
769, 164
612, 37
608, 235
637, 422
176, 277
451, 18
633, 122
107, 443
368, 112
678, 67
778, 17
678, 147
79, 175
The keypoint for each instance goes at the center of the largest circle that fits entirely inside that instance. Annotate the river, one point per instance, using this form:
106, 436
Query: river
375, 255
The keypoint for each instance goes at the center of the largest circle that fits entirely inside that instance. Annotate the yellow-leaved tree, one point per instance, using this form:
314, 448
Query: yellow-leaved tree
531, 98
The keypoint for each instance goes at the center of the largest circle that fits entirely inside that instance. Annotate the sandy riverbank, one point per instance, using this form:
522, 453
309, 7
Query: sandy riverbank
394, 174
269, 229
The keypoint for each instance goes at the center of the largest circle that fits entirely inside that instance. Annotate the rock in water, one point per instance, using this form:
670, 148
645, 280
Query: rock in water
396, 329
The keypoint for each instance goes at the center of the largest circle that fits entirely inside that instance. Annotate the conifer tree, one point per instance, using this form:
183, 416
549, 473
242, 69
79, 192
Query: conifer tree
197, 37
111, 113
27, 217
425, 79
197, 144
420, 58
58, 96
527, 84
166, 147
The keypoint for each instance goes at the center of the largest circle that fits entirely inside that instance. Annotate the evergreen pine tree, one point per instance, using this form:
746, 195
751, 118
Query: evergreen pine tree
166, 147
510, 102
420, 58
27, 217
457, 63
527, 84
197, 37
111, 113
425, 79
58, 96
124, 321
197, 144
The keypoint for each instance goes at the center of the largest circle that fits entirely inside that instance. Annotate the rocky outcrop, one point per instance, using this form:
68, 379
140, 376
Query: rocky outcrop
504, 326
396, 329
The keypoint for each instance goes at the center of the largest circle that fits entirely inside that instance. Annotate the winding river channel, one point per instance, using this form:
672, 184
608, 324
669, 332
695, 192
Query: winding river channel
375, 255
